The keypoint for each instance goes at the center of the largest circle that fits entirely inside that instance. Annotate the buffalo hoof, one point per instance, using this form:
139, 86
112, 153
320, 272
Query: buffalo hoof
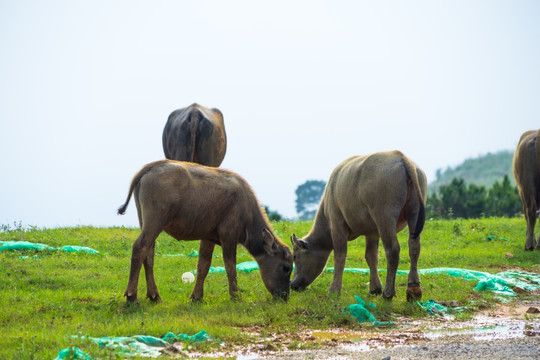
155, 299
131, 298
196, 299
375, 292
414, 293
281, 296
388, 296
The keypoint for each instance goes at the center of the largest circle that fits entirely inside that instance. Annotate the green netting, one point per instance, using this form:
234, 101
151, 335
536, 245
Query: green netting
25, 245
495, 237
198, 337
247, 266
491, 285
500, 283
433, 308
193, 253
214, 270
486, 281
74, 248
362, 314
29, 257
130, 345
72, 353
363, 271
521, 279
147, 345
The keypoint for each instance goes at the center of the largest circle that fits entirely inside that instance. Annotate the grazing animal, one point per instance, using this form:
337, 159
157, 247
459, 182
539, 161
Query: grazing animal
195, 134
190, 202
374, 195
527, 173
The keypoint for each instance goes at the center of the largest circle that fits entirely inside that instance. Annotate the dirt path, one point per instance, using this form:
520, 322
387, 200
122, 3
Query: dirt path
508, 332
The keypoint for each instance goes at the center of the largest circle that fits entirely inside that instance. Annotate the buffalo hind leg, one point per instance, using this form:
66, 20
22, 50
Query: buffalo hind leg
530, 215
229, 258
372, 258
151, 287
140, 250
414, 291
391, 249
206, 249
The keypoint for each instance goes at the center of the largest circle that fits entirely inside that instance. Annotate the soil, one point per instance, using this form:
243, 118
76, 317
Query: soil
508, 332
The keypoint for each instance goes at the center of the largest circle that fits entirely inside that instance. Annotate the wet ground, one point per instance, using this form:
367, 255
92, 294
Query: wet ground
509, 332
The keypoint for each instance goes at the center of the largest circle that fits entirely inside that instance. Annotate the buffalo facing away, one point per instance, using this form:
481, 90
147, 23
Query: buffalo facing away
375, 195
195, 134
527, 173
191, 202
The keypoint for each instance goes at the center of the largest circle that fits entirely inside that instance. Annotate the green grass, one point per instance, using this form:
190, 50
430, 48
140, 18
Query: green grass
47, 299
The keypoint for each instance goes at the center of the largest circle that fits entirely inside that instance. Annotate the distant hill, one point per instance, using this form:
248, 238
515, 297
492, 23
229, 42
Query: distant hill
483, 170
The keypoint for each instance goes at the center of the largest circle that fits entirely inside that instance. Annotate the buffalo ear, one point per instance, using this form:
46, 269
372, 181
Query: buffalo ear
294, 241
217, 112
269, 242
298, 243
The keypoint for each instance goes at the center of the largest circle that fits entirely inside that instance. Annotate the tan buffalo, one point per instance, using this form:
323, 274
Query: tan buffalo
196, 134
189, 202
527, 174
374, 195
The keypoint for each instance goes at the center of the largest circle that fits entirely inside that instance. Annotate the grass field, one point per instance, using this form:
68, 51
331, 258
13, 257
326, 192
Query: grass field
49, 297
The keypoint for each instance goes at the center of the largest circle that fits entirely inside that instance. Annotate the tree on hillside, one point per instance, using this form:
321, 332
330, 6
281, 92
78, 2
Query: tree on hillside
459, 200
451, 201
308, 197
475, 201
482, 170
434, 207
503, 199
462, 201
453, 197
272, 214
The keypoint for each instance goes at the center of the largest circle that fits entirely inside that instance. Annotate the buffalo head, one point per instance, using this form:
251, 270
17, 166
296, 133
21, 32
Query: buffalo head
275, 265
309, 263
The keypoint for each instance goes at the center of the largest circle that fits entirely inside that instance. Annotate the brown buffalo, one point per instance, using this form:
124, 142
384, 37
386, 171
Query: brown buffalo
195, 134
527, 174
375, 195
190, 202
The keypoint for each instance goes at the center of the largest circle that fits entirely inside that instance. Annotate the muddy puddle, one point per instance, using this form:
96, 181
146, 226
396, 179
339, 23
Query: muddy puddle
483, 328
480, 328
503, 333
511, 324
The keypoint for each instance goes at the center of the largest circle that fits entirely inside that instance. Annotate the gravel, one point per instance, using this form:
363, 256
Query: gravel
509, 333
456, 347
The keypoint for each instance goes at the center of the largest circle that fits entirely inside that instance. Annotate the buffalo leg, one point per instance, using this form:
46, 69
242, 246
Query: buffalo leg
372, 258
537, 240
530, 215
229, 258
151, 287
140, 251
414, 291
391, 249
339, 241
206, 249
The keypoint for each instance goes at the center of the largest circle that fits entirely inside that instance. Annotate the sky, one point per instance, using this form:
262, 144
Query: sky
87, 86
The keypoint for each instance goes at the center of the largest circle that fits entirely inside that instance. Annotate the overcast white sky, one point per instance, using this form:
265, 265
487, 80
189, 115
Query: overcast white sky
86, 89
